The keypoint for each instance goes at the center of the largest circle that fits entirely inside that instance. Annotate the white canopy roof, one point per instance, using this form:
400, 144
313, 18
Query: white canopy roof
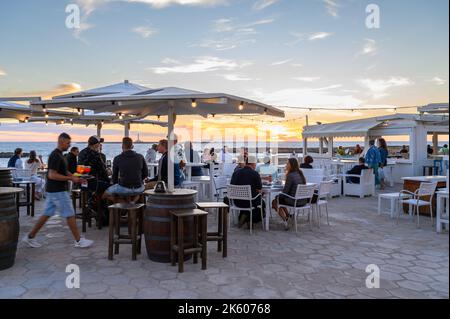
94, 120
122, 87
434, 108
363, 126
22, 112
156, 102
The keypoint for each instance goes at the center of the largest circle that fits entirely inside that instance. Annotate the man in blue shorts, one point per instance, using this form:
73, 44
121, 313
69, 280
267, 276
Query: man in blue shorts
58, 198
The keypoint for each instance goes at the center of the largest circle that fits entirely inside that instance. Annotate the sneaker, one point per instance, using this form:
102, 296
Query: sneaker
31, 242
83, 243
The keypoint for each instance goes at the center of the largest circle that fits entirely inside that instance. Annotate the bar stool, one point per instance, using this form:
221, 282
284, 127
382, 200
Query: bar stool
177, 236
30, 188
431, 170
135, 213
221, 236
76, 194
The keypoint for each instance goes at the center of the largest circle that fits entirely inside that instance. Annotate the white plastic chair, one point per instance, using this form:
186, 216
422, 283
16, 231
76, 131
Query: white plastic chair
220, 187
22, 174
244, 192
425, 190
323, 193
365, 187
314, 175
303, 192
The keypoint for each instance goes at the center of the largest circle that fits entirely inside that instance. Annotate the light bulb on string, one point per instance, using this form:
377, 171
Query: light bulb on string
241, 106
194, 103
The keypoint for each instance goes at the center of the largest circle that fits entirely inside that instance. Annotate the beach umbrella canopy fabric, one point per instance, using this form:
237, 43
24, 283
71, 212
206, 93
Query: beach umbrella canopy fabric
122, 87
20, 112
170, 101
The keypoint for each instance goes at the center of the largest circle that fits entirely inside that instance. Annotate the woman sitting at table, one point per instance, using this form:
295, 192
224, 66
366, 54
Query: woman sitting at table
34, 164
294, 177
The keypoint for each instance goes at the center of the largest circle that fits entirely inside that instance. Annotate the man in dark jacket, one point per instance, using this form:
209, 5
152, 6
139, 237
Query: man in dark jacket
356, 170
72, 160
90, 156
249, 176
129, 171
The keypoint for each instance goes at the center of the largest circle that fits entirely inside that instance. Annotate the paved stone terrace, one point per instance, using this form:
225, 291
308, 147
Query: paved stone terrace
329, 262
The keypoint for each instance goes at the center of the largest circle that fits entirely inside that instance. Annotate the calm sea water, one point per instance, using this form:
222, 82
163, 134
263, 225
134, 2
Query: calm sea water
113, 149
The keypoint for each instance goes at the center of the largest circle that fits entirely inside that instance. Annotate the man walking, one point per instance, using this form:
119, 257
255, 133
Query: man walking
58, 196
373, 160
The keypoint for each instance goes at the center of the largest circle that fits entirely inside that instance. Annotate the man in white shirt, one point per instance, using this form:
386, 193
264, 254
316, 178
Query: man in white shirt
150, 157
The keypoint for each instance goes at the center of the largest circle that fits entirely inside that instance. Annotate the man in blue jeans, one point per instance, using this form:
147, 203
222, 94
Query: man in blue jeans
58, 198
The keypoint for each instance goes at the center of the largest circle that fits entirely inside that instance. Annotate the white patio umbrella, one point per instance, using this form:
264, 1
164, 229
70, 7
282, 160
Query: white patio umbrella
22, 112
170, 101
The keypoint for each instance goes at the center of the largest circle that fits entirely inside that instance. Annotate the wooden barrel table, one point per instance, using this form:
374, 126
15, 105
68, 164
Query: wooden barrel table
9, 226
6, 177
157, 221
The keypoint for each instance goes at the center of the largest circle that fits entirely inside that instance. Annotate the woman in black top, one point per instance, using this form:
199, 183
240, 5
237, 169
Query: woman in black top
294, 177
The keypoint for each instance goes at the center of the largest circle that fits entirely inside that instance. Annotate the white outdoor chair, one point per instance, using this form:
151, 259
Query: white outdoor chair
303, 192
314, 175
366, 186
21, 174
244, 193
323, 193
417, 201
220, 187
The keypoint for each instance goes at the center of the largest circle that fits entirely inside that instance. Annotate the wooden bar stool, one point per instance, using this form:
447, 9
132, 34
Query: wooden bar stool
76, 194
178, 248
135, 214
221, 236
30, 188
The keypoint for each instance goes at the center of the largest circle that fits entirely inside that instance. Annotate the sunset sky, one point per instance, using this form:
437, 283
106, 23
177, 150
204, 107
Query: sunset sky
296, 53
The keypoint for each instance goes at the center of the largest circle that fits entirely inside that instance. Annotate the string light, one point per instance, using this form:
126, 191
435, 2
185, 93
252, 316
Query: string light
345, 109
71, 122
79, 111
265, 111
241, 106
159, 117
46, 115
44, 109
46, 123
26, 120
194, 103
120, 116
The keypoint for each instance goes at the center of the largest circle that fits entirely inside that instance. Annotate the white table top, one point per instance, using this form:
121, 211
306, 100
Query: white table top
442, 193
426, 178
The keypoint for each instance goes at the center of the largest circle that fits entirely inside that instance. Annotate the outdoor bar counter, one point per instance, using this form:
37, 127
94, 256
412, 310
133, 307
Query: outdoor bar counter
413, 183
157, 221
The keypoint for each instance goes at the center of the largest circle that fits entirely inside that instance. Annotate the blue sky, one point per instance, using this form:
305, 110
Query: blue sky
283, 52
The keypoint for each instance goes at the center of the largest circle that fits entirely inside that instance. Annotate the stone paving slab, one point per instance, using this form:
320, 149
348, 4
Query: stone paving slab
325, 262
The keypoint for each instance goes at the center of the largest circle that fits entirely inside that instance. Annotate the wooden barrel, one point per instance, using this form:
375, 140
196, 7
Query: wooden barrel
157, 221
5, 177
9, 226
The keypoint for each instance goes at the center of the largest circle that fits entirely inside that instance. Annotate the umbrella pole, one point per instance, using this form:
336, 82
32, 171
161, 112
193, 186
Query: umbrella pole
170, 159
99, 130
127, 129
